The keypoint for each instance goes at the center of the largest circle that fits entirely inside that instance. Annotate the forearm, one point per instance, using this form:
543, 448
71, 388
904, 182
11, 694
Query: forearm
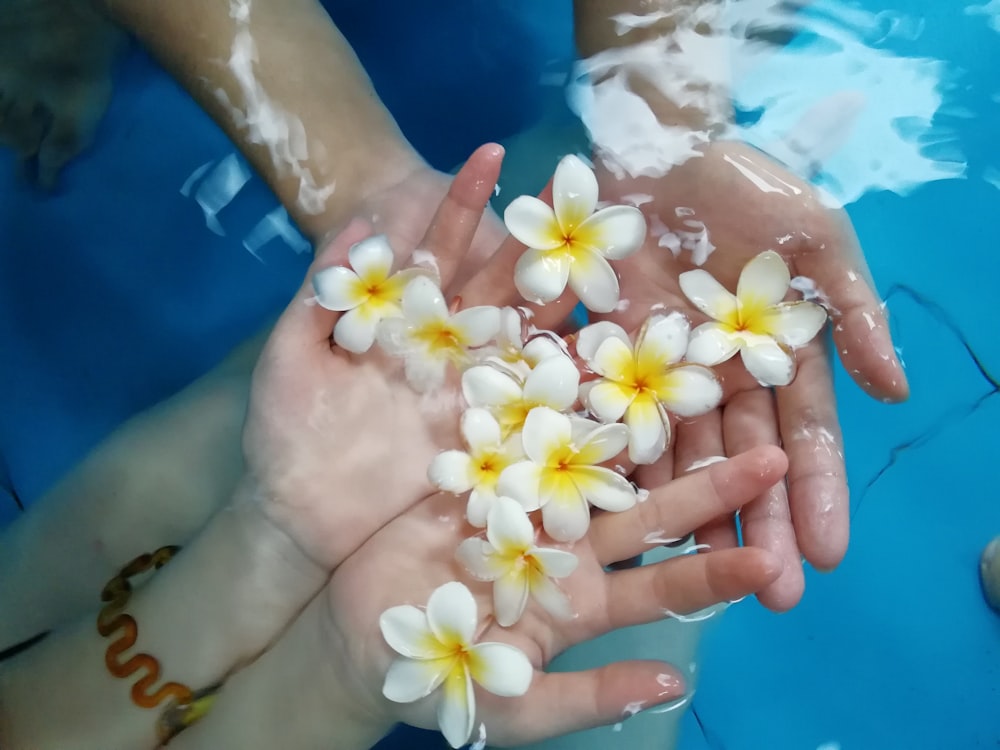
288, 698
674, 54
285, 85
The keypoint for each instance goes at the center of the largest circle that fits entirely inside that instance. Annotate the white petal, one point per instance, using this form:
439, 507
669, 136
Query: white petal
591, 337
408, 680
478, 508
566, 521
355, 331
554, 382
541, 276
451, 471
552, 599
711, 344
608, 401
764, 280
647, 432
406, 630
594, 281
605, 488
393, 335
477, 555
794, 323
616, 231
521, 481
574, 193
708, 295
542, 346
451, 613
533, 223
614, 359
545, 430
504, 670
423, 301
603, 443
372, 258
692, 390
478, 325
664, 339
485, 385
769, 363
423, 373
480, 429
337, 288
510, 596
556, 563
508, 527
456, 712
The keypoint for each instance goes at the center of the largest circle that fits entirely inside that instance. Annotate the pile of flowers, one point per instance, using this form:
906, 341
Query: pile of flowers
539, 434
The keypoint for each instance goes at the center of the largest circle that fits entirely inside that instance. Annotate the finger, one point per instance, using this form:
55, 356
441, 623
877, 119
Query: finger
304, 323
494, 284
700, 440
686, 584
675, 509
750, 420
563, 702
860, 328
817, 478
457, 218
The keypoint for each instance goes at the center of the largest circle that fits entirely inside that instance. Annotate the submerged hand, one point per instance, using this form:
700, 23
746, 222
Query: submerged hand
735, 202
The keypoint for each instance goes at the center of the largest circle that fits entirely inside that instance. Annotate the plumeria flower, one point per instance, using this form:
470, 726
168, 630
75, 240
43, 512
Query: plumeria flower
438, 649
521, 346
755, 322
553, 382
561, 474
478, 468
569, 242
645, 383
518, 567
366, 293
429, 337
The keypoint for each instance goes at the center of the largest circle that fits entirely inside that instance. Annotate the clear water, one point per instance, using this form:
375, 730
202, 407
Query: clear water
160, 252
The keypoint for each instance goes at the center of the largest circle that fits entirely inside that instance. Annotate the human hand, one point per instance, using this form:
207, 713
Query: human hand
736, 202
415, 553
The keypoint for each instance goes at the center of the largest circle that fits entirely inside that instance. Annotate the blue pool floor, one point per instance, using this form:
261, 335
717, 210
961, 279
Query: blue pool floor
115, 293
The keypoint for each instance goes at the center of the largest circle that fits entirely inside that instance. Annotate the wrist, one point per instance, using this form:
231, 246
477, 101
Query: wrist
227, 595
297, 674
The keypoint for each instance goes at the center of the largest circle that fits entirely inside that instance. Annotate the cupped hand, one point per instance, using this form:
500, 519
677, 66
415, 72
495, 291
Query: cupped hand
732, 203
414, 554
315, 408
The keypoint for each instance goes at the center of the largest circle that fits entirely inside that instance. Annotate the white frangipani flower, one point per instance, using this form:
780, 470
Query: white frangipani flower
518, 567
569, 242
479, 468
366, 293
561, 474
646, 383
428, 337
553, 382
755, 322
438, 649
519, 345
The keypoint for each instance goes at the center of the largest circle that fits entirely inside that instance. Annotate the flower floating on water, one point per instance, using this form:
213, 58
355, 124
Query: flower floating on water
561, 474
645, 383
518, 568
755, 322
570, 242
366, 293
553, 382
438, 649
429, 337
479, 468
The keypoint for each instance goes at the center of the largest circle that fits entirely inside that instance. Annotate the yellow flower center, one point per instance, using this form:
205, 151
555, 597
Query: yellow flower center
439, 337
